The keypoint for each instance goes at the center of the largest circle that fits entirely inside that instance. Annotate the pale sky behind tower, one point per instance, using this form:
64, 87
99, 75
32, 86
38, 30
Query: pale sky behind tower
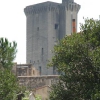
13, 20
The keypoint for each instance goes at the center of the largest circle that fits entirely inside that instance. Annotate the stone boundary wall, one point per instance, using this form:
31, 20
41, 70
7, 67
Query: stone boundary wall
34, 82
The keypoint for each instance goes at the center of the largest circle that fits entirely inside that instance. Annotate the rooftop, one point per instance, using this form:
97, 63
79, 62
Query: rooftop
48, 3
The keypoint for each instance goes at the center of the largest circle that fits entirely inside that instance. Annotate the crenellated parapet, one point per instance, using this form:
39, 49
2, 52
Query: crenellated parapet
41, 7
51, 6
70, 6
73, 7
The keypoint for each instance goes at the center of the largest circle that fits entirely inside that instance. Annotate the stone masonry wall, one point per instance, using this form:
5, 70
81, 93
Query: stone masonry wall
31, 82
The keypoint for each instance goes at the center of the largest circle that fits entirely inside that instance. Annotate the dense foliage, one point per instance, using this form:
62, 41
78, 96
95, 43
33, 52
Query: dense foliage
78, 57
7, 53
9, 87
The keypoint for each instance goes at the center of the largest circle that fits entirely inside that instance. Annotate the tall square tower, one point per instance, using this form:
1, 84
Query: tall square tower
47, 23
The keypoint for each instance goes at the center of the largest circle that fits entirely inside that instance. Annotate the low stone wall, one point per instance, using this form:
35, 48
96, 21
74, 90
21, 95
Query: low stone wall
33, 82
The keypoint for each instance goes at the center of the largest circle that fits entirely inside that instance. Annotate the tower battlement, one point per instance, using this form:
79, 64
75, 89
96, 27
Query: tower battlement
70, 6
41, 7
51, 6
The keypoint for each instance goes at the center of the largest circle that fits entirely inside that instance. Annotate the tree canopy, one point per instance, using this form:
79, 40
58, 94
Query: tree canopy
9, 86
7, 53
78, 57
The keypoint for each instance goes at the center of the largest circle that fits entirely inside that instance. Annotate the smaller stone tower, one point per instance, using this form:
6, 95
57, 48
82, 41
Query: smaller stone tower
68, 16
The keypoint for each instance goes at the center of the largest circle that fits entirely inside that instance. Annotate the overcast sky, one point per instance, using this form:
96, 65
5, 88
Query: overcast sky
13, 20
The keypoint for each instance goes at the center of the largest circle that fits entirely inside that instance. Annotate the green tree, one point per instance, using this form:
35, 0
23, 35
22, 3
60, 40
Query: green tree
78, 58
8, 85
7, 53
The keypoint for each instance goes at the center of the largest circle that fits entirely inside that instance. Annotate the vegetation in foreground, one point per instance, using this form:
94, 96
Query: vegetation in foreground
77, 58
9, 88
37, 97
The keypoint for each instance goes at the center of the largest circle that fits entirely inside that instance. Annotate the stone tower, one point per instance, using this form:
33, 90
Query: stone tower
47, 23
